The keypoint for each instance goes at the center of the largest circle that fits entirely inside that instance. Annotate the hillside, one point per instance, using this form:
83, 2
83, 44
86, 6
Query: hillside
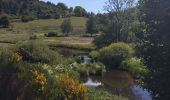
36, 9
22, 31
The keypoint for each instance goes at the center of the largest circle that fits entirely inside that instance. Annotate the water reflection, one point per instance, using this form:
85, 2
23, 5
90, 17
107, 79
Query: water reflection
92, 83
120, 83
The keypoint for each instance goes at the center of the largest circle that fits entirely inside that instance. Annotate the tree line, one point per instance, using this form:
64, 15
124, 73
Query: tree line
32, 9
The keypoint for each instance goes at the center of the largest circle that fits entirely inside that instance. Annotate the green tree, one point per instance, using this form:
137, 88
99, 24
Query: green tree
117, 14
118, 24
79, 11
62, 9
66, 27
155, 45
4, 21
91, 25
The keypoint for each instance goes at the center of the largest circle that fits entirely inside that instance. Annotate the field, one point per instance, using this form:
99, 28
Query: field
20, 32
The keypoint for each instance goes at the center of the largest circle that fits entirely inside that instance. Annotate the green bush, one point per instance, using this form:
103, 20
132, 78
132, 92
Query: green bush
33, 37
52, 34
4, 21
36, 52
94, 55
134, 66
96, 68
86, 70
114, 54
103, 40
23, 80
27, 18
16, 78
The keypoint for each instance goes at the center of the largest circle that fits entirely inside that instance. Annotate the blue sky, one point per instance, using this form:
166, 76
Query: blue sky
89, 5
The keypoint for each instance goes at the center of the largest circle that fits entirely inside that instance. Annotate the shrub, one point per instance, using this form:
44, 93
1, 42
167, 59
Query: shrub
134, 66
15, 77
16, 57
33, 37
96, 68
82, 70
94, 55
4, 21
40, 79
102, 40
86, 70
51, 34
114, 54
71, 89
27, 18
66, 27
35, 52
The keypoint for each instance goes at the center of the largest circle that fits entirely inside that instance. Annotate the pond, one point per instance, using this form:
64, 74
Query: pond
120, 83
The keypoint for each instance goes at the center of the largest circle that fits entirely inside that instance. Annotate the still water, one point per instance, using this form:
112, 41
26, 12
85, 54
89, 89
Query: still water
120, 83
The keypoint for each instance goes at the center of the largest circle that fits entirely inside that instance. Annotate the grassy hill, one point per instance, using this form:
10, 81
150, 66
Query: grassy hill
19, 31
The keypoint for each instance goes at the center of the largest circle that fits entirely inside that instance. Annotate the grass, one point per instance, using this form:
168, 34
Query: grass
20, 32
49, 25
98, 94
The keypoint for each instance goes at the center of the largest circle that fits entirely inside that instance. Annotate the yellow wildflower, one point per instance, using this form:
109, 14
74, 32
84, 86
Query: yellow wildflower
16, 56
40, 79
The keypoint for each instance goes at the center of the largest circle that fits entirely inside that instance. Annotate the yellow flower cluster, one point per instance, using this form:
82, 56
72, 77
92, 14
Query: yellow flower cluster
40, 79
16, 56
72, 89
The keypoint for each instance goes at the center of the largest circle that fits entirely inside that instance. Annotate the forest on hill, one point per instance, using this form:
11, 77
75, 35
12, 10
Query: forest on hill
39, 9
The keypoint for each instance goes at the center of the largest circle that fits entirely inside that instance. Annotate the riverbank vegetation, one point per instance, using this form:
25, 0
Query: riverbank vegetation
34, 70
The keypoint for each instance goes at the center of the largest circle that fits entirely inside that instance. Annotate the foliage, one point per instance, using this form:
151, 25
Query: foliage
36, 8
134, 66
23, 80
33, 37
4, 21
71, 89
51, 34
79, 11
103, 40
76, 47
155, 45
95, 68
16, 77
94, 54
16, 56
66, 26
118, 16
114, 54
40, 79
27, 18
117, 26
82, 70
91, 25
62, 10
98, 94
35, 52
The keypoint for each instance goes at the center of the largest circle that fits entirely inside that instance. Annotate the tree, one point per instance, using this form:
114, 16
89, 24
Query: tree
155, 45
79, 11
63, 9
117, 16
4, 21
66, 27
91, 25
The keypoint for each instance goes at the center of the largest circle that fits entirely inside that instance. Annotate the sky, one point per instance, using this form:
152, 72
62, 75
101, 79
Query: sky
90, 5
